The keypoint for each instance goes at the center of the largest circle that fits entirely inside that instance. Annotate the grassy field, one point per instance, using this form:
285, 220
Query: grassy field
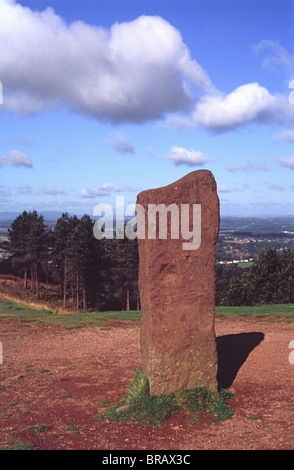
274, 311
28, 313
245, 265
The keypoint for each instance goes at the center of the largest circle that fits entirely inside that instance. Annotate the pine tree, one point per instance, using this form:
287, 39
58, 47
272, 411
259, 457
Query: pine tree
18, 234
82, 256
27, 243
125, 271
63, 229
269, 280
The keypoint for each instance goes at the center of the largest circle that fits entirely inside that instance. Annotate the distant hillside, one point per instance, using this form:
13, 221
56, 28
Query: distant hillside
257, 225
48, 215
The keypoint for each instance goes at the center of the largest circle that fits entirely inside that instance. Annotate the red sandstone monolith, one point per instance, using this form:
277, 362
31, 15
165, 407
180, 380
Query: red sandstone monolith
177, 283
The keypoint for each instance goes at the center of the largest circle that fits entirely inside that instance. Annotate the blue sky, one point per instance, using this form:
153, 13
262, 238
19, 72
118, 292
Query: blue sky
106, 98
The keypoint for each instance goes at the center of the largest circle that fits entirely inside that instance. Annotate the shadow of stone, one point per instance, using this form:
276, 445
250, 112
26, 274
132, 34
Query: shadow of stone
232, 352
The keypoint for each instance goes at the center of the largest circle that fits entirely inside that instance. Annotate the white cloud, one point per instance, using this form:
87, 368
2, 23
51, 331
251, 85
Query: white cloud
133, 71
92, 193
287, 134
181, 156
287, 161
220, 112
276, 56
223, 189
247, 103
104, 190
53, 191
121, 143
16, 158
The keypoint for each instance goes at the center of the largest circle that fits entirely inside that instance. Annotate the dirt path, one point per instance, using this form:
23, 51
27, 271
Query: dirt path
54, 383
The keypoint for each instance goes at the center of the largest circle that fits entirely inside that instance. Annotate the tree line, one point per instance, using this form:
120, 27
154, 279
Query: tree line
92, 274
270, 280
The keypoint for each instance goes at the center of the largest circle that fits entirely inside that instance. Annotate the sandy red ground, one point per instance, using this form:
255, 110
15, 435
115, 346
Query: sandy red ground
64, 378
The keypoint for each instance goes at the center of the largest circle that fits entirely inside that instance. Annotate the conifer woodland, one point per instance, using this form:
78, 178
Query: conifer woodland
90, 274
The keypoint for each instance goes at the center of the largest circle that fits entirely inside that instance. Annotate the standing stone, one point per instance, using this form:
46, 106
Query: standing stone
177, 287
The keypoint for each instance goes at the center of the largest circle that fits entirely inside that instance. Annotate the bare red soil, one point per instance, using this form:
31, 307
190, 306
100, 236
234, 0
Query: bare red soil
54, 382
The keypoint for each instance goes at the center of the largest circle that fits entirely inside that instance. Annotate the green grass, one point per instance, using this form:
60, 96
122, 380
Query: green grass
139, 406
277, 311
245, 265
13, 308
21, 312
74, 430
38, 428
254, 416
18, 444
16, 310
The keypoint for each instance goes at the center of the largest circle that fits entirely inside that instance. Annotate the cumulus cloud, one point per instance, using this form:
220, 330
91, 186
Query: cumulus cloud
247, 103
221, 112
181, 156
133, 71
121, 143
16, 158
287, 161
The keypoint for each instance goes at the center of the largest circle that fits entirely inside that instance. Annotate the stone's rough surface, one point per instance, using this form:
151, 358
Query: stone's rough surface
177, 292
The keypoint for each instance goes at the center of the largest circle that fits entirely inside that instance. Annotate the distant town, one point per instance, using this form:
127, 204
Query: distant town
241, 239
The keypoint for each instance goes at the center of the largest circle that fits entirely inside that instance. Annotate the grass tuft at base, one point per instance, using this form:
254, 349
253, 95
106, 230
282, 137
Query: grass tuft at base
139, 406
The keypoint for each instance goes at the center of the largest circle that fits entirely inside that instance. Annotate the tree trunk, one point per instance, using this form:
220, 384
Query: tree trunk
64, 284
77, 290
128, 300
37, 280
47, 282
84, 299
32, 278
25, 279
